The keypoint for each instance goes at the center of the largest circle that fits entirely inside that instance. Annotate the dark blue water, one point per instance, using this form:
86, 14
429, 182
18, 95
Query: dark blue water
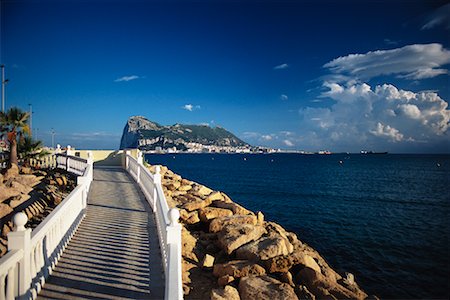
384, 218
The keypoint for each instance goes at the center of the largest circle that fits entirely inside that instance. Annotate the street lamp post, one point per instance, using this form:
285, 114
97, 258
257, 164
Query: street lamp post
4, 81
53, 138
31, 119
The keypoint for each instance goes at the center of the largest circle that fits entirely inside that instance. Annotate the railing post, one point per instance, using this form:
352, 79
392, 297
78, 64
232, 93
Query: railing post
140, 164
20, 238
58, 149
127, 159
174, 254
156, 182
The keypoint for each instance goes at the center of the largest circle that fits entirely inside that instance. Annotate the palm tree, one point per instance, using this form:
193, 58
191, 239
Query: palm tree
30, 149
14, 124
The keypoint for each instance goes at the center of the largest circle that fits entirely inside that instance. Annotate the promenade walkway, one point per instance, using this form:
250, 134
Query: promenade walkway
115, 252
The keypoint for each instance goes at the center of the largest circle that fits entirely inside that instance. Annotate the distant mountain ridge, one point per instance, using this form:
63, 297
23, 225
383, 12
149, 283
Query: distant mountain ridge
139, 132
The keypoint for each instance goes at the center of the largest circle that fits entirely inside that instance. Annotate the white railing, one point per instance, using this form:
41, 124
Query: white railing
33, 254
169, 230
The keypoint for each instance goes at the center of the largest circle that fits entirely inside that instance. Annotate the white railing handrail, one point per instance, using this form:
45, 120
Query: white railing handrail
169, 230
32, 255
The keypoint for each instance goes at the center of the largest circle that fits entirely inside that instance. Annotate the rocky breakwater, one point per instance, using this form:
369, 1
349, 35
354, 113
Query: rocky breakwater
230, 252
34, 192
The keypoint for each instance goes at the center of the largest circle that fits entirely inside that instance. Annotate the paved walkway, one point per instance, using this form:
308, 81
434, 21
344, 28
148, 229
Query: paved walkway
115, 252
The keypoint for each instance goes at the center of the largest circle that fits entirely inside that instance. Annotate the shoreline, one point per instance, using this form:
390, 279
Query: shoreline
231, 252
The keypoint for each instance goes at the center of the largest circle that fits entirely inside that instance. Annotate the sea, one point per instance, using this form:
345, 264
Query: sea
384, 218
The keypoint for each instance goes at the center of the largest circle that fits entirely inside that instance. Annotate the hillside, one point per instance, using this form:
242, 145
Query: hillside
146, 135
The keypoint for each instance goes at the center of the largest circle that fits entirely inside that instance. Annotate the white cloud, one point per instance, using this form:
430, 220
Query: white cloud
440, 16
418, 61
387, 131
383, 116
190, 107
127, 78
288, 143
266, 137
281, 67
284, 97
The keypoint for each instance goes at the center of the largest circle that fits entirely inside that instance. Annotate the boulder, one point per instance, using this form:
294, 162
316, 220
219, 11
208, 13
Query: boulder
224, 280
323, 287
208, 261
260, 218
234, 236
283, 263
7, 192
26, 170
203, 190
196, 204
217, 224
192, 218
303, 293
185, 188
235, 208
227, 293
16, 201
5, 209
286, 277
265, 288
27, 180
215, 196
265, 248
12, 172
173, 185
210, 213
238, 269
188, 244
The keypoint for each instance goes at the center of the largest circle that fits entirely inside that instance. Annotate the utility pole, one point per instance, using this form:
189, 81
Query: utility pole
53, 138
4, 81
31, 119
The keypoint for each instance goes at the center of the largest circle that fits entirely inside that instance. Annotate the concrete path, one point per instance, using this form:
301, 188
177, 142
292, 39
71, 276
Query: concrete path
115, 252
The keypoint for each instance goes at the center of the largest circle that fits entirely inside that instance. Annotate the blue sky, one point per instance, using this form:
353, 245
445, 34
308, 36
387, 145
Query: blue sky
310, 75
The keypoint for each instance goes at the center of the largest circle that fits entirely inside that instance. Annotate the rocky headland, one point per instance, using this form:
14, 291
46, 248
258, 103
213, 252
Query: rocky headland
32, 191
230, 252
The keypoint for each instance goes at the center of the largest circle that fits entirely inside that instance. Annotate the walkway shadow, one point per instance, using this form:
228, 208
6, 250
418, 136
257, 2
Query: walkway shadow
115, 252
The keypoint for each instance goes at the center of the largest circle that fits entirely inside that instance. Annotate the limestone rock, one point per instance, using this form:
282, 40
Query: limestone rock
235, 208
265, 248
238, 269
12, 172
27, 180
215, 196
197, 204
309, 262
225, 197
203, 190
283, 263
224, 280
265, 288
5, 209
227, 293
322, 286
217, 224
192, 218
208, 261
185, 188
260, 217
19, 200
287, 278
210, 213
234, 236
303, 293
7, 192
26, 170
188, 244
